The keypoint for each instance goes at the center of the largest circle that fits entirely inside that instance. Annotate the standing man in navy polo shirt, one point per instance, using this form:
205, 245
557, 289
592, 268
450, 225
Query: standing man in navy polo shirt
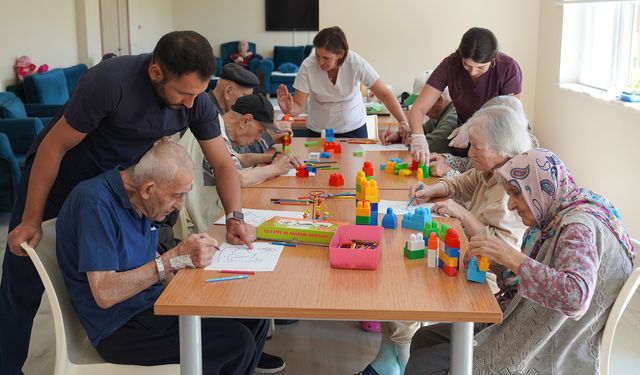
119, 109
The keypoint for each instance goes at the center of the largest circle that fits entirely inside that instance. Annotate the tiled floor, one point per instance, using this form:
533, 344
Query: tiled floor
324, 347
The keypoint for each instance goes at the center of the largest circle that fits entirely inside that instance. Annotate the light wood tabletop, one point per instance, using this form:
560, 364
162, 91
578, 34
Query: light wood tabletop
304, 285
348, 165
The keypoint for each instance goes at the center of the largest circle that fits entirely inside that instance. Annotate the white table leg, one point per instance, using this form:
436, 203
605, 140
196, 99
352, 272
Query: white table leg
190, 345
461, 348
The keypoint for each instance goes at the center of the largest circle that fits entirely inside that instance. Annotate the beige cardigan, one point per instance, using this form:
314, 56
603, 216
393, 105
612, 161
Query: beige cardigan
487, 201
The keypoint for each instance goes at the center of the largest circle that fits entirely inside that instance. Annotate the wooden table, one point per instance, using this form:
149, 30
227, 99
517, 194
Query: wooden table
349, 166
304, 286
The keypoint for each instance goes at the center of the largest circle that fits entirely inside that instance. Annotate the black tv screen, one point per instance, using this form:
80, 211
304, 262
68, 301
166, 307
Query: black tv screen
292, 15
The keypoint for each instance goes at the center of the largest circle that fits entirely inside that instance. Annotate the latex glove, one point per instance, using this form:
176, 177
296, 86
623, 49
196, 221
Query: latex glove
459, 137
420, 148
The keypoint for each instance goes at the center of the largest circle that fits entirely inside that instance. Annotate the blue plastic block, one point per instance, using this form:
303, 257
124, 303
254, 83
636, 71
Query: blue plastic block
382, 166
473, 274
374, 217
452, 252
397, 160
416, 220
389, 220
311, 169
374, 207
325, 155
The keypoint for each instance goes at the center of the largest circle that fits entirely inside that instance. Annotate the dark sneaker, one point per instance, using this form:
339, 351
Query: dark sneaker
269, 364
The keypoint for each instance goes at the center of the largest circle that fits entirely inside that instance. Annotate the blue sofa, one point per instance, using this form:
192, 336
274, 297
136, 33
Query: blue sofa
53, 87
268, 69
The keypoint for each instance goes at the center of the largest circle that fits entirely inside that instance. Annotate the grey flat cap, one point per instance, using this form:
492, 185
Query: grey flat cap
240, 75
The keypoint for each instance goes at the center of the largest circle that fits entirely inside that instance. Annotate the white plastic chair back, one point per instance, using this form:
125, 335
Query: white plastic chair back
372, 126
74, 352
622, 301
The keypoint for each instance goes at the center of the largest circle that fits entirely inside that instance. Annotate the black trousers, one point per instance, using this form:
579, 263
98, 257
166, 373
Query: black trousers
229, 346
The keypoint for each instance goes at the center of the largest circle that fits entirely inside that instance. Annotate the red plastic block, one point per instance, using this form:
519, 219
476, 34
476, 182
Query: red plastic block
302, 172
336, 179
328, 146
413, 166
368, 168
337, 148
452, 239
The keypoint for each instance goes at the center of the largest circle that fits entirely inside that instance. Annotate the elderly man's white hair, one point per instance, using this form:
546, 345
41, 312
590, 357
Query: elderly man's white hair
421, 80
509, 101
161, 163
502, 129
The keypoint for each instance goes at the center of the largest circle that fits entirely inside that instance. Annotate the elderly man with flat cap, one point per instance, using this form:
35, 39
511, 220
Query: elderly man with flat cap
236, 81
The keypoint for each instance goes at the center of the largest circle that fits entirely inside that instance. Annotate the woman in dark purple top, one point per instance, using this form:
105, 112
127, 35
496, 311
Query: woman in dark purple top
474, 73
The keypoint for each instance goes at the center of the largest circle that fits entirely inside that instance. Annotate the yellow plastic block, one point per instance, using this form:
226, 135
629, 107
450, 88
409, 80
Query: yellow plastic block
451, 262
404, 173
363, 208
420, 174
483, 263
369, 188
390, 167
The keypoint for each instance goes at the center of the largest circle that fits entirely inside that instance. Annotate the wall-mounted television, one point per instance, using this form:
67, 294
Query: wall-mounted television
292, 15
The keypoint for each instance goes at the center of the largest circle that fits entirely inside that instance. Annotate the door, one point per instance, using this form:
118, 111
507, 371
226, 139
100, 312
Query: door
114, 26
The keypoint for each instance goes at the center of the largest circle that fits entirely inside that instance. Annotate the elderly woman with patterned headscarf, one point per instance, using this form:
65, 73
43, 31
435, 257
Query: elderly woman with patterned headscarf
558, 291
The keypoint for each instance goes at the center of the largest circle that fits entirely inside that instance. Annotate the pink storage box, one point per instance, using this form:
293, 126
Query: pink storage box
351, 258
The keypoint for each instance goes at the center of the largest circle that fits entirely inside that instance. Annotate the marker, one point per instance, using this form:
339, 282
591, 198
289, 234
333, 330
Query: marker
237, 277
239, 272
284, 244
414, 195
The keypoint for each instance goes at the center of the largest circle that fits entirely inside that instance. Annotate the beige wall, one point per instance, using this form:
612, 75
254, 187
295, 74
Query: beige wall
41, 29
596, 139
148, 21
399, 38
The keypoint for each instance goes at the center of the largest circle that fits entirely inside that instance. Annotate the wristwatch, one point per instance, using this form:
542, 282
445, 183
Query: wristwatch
235, 215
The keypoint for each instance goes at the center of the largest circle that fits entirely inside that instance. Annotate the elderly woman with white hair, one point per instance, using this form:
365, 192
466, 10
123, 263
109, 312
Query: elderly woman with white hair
446, 164
496, 134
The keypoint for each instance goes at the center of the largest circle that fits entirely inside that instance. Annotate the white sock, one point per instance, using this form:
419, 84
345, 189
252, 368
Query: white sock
402, 351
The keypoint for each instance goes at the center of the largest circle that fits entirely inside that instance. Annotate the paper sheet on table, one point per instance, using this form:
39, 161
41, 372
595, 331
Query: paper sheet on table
256, 217
292, 173
391, 147
262, 258
400, 207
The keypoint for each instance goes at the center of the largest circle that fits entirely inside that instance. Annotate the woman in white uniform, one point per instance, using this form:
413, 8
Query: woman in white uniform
331, 80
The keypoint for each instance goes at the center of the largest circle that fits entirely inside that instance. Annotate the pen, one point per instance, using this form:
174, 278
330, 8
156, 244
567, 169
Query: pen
414, 195
284, 244
239, 272
237, 277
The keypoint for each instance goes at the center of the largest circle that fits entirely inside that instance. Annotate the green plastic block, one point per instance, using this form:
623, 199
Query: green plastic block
311, 143
417, 254
363, 220
358, 153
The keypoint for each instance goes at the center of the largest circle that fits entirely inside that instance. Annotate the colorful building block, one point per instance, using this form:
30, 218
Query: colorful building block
314, 156
390, 167
325, 155
302, 172
414, 248
416, 220
336, 179
404, 173
413, 166
473, 272
425, 169
311, 143
419, 174
328, 146
367, 167
329, 134
358, 153
382, 166
363, 208
369, 191
337, 148
432, 250
396, 160
389, 220
483, 263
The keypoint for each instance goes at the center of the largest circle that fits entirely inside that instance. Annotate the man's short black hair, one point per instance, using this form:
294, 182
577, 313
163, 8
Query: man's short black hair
182, 52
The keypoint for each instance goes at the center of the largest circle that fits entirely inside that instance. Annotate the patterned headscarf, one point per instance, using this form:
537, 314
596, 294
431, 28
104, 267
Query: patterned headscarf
551, 192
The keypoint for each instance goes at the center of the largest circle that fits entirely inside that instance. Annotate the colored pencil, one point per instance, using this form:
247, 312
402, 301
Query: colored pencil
227, 278
414, 195
284, 244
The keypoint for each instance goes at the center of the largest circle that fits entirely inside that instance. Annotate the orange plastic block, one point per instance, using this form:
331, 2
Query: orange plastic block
483, 263
420, 174
447, 260
363, 208
390, 168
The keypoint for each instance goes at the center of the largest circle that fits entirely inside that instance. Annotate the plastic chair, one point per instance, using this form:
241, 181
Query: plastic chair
74, 352
622, 301
372, 126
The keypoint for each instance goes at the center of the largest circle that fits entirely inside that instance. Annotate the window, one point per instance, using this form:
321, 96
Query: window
601, 45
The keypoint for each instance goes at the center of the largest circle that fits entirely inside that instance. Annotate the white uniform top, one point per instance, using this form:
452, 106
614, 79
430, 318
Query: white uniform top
338, 106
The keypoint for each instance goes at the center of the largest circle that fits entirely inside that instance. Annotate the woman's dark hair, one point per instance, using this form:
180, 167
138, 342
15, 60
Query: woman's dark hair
479, 45
333, 40
182, 52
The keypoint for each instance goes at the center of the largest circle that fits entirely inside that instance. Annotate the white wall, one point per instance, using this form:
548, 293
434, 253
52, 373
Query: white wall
399, 38
597, 140
149, 20
41, 29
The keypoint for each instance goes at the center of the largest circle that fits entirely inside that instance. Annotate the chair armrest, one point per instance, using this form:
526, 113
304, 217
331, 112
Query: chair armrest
266, 67
42, 110
254, 64
21, 132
